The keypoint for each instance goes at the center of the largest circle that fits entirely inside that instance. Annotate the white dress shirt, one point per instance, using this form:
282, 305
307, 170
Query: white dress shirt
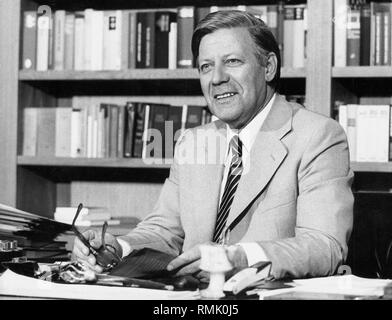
253, 251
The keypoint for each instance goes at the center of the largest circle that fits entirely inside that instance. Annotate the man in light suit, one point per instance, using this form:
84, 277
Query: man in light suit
291, 201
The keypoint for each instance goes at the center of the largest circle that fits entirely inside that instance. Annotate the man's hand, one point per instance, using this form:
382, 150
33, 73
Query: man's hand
82, 253
189, 262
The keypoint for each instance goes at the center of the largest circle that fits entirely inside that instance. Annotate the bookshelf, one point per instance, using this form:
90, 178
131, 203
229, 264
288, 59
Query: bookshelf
38, 184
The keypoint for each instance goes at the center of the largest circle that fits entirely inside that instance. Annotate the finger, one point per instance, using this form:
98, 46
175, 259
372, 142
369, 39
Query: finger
184, 259
191, 268
202, 276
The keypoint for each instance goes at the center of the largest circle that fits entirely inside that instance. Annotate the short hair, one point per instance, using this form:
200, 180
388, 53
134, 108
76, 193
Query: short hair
260, 33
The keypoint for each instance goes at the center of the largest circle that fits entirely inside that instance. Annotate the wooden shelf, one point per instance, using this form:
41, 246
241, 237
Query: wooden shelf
362, 72
371, 166
131, 74
94, 162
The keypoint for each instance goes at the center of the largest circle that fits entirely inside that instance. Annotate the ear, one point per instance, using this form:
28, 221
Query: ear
271, 67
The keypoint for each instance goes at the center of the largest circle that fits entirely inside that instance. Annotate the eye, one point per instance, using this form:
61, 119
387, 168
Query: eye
205, 67
233, 62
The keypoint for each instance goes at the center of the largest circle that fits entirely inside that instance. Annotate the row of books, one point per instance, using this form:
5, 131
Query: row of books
362, 33
369, 131
156, 38
108, 130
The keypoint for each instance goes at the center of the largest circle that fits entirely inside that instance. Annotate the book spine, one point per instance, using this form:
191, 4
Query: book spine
365, 35
121, 131
185, 21
76, 132
272, 19
79, 42
42, 42
59, 39
69, 41
387, 38
150, 40
173, 45
340, 33
353, 36
343, 117
194, 116
113, 134
51, 43
280, 38
132, 46
299, 38
124, 39
147, 124
88, 39
46, 131
288, 36
30, 127
63, 132
372, 35
352, 130
139, 129
162, 29
29, 40
112, 40
129, 129
378, 39
97, 40
175, 117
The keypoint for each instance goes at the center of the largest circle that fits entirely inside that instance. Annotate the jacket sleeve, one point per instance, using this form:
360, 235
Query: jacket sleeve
162, 229
324, 209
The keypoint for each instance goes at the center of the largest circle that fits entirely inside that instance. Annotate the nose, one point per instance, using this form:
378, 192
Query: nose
219, 75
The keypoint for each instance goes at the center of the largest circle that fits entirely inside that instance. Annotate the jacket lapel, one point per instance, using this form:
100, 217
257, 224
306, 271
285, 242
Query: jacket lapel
266, 155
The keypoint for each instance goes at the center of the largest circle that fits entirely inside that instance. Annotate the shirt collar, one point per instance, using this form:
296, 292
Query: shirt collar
249, 132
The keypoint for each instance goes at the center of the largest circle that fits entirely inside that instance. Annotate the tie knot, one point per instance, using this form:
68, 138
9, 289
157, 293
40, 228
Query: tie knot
236, 146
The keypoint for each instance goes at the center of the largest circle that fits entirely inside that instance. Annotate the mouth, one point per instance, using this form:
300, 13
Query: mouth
224, 96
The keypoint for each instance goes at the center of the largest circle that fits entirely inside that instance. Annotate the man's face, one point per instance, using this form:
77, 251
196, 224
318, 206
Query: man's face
232, 78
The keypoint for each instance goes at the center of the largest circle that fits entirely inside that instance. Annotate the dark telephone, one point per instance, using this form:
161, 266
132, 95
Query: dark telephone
106, 254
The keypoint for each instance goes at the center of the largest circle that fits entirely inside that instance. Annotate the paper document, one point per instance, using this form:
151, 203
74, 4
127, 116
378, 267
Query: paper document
13, 284
346, 284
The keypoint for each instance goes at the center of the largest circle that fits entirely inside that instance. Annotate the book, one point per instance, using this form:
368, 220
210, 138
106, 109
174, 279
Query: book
63, 132
298, 52
194, 116
162, 31
124, 35
112, 40
76, 133
132, 39
59, 39
29, 46
79, 41
280, 29
96, 33
121, 131
172, 63
43, 23
272, 19
185, 25
129, 129
141, 21
113, 131
353, 36
352, 130
340, 33
46, 131
365, 35
156, 134
140, 110
69, 41
288, 35
373, 133
30, 126
174, 124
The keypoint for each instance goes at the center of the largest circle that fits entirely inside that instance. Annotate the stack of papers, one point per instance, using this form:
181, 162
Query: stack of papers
349, 285
12, 284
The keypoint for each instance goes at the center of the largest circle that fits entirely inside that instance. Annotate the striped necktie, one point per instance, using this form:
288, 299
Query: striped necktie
233, 178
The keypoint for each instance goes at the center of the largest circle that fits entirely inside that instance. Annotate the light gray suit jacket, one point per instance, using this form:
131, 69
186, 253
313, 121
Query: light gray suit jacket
298, 184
